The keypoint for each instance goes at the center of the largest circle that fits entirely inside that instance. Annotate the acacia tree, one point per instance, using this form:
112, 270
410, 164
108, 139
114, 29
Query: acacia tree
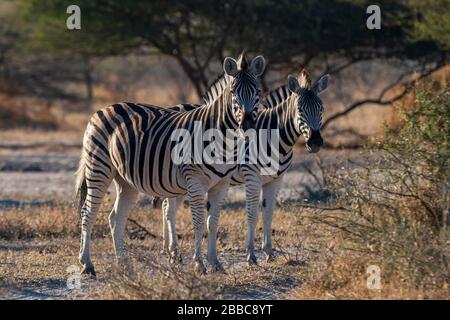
329, 34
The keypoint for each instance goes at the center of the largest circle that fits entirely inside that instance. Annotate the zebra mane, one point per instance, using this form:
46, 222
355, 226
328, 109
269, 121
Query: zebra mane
215, 89
276, 96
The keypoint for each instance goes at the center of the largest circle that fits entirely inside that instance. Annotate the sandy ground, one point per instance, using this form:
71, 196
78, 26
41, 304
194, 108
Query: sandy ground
45, 176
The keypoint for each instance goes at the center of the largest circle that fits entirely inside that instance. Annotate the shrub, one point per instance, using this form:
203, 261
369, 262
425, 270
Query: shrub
396, 197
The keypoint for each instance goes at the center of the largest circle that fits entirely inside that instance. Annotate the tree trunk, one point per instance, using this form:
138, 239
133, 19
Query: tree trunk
194, 76
87, 72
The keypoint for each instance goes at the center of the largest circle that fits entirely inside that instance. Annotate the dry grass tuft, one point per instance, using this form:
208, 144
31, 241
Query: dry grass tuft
44, 223
152, 277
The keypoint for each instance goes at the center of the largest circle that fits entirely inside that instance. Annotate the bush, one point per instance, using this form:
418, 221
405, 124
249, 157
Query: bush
395, 199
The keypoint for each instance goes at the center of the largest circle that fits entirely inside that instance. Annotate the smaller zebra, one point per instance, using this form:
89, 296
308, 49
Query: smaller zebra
294, 109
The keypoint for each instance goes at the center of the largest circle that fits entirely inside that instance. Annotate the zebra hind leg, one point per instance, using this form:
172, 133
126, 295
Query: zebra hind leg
170, 207
197, 196
95, 193
165, 227
125, 201
252, 195
270, 191
215, 198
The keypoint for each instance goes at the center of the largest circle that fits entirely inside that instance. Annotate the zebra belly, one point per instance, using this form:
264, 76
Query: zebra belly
238, 177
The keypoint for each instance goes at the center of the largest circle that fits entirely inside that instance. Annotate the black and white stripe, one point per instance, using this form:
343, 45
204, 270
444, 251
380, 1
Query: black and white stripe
130, 144
293, 109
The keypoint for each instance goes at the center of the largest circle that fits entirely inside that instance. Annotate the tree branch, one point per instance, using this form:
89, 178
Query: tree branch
379, 101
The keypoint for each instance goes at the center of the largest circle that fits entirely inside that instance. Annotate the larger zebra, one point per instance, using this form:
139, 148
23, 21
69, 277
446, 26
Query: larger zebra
294, 109
131, 145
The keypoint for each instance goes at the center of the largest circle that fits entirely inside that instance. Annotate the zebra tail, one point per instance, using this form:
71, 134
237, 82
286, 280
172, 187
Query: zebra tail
80, 185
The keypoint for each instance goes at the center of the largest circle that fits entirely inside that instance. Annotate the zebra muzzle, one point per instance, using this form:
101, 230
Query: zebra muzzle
315, 142
248, 122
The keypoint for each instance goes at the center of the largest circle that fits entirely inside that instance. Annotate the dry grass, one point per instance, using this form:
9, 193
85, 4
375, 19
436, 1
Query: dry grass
394, 206
26, 113
340, 270
41, 136
39, 250
313, 260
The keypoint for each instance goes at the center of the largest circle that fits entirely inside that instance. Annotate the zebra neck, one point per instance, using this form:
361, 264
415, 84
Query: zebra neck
286, 117
225, 114
218, 107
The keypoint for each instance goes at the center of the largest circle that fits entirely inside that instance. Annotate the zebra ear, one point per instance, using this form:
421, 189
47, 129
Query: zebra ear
258, 65
321, 84
230, 66
293, 84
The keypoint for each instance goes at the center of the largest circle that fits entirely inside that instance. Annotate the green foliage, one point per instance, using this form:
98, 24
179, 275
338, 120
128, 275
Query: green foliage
199, 33
425, 133
432, 21
280, 29
48, 32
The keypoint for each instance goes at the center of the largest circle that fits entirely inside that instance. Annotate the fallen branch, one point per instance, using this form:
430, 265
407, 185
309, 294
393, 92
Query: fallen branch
141, 232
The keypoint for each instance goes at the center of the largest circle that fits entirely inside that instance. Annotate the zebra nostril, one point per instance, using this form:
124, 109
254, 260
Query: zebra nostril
319, 141
315, 139
248, 123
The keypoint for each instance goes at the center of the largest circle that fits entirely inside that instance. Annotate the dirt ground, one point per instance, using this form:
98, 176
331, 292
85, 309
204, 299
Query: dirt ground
37, 268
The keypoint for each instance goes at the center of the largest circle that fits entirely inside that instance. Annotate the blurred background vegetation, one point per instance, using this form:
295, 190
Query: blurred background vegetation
167, 52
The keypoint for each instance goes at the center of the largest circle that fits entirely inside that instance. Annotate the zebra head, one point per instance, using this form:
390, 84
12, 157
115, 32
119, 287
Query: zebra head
309, 106
245, 88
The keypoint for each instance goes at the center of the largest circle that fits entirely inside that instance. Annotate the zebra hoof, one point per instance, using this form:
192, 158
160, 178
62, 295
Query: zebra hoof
270, 257
251, 259
176, 257
217, 267
200, 268
90, 271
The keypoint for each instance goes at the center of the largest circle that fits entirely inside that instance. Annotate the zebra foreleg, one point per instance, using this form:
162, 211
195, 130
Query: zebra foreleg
125, 201
252, 195
270, 191
213, 204
170, 207
197, 196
